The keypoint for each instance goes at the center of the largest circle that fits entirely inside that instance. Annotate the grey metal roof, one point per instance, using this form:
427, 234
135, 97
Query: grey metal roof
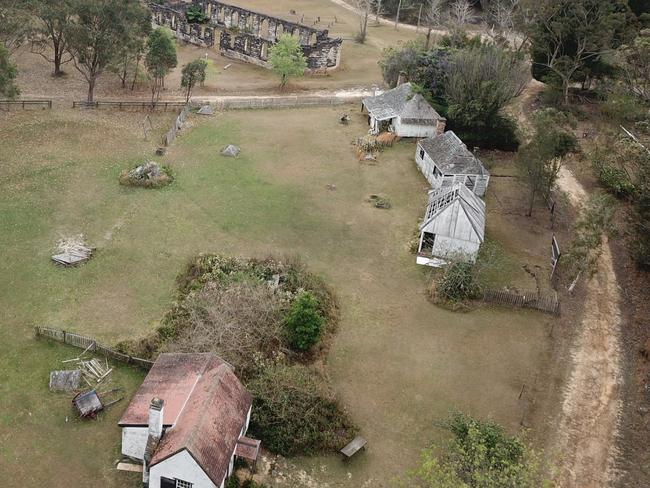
451, 155
443, 197
403, 102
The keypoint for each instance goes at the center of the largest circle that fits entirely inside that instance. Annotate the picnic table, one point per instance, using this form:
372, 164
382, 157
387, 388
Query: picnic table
353, 447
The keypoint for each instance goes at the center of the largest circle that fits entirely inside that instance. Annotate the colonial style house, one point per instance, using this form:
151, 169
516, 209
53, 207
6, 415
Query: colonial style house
187, 422
453, 227
403, 112
445, 160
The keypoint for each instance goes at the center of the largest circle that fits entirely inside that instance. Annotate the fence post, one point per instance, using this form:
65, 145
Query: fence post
65, 336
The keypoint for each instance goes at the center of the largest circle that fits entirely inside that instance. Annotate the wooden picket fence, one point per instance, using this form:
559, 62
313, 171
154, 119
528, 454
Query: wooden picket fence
545, 302
84, 342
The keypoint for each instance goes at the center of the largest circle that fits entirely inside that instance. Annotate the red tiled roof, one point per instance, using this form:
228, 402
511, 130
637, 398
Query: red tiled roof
172, 378
211, 423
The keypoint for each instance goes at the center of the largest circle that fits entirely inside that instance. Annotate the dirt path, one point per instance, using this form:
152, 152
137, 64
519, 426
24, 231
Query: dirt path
590, 415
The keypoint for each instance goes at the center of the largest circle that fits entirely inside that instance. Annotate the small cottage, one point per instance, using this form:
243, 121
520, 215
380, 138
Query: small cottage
403, 112
445, 160
453, 226
187, 422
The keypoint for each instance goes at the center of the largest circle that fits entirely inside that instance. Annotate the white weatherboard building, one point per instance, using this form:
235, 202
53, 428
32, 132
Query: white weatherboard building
453, 226
445, 160
403, 112
187, 423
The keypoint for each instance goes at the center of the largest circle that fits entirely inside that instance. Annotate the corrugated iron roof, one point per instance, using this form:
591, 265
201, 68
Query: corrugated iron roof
211, 423
451, 155
403, 102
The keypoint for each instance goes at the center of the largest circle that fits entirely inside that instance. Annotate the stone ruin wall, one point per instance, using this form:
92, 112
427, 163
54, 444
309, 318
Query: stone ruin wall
247, 35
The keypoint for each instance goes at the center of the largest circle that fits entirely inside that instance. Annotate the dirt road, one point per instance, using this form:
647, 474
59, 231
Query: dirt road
590, 415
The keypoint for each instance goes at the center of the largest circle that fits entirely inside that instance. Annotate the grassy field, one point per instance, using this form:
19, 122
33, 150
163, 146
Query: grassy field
398, 362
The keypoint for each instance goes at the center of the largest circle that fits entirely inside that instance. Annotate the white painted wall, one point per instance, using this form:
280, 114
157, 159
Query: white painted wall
454, 235
134, 441
412, 130
183, 467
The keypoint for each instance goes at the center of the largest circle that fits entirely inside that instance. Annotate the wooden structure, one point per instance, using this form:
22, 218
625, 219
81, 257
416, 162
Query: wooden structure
357, 444
403, 112
88, 404
453, 227
68, 380
73, 256
25, 104
445, 160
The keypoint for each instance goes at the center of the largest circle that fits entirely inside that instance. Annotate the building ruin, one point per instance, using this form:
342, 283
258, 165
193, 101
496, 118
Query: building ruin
246, 35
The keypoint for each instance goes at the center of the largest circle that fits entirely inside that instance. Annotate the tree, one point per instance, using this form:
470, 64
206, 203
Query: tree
304, 322
541, 159
435, 17
99, 30
161, 59
126, 63
54, 18
8, 74
363, 7
566, 35
634, 65
287, 59
192, 73
480, 454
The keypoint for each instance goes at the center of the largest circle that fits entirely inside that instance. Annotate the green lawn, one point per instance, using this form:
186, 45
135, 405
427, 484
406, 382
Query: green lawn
398, 363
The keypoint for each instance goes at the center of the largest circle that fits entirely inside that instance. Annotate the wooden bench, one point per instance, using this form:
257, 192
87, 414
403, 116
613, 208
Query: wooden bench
353, 447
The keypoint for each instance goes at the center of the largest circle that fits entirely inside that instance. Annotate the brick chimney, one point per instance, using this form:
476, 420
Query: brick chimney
155, 433
440, 126
401, 78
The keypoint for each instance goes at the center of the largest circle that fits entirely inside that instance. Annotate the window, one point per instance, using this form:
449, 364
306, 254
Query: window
183, 484
421, 153
167, 483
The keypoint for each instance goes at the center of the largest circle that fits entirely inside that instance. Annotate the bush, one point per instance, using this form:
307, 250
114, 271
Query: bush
292, 415
622, 107
615, 180
304, 322
457, 283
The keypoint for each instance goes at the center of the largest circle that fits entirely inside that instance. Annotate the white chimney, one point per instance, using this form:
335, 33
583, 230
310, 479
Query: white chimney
155, 433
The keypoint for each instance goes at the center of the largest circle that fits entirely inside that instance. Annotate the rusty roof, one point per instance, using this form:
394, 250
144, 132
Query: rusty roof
211, 423
172, 378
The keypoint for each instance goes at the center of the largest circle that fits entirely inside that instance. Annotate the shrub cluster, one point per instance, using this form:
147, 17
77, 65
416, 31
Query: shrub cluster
457, 283
304, 322
148, 175
293, 415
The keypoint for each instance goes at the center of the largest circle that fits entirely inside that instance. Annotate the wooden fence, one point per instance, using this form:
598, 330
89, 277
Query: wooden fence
83, 342
176, 127
24, 104
124, 105
289, 101
545, 302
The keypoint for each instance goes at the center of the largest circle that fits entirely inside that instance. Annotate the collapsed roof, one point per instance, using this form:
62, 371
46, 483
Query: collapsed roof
402, 102
451, 155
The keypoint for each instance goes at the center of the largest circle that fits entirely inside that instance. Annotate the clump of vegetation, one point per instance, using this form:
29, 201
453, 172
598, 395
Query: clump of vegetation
195, 15
456, 284
378, 201
586, 247
480, 454
193, 72
304, 322
148, 175
244, 310
293, 415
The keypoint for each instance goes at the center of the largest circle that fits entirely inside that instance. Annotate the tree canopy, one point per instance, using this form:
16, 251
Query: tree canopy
161, 57
287, 59
8, 74
480, 454
193, 73
53, 19
99, 30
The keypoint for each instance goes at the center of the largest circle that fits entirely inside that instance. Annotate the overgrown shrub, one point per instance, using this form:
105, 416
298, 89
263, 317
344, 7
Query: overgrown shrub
304, 323
195, 15
500, 132
622, 107
293, 415
457, 282
615, 180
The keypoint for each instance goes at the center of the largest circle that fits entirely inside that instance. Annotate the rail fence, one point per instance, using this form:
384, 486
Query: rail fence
545, 302
124, 105
177, 126
234, 103
25, 104
84, 342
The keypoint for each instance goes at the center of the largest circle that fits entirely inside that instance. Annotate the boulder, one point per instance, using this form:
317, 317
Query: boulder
206, 110
230, 151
